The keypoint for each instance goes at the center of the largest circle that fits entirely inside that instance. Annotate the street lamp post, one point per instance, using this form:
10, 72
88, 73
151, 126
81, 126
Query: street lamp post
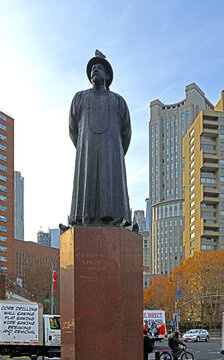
177, 305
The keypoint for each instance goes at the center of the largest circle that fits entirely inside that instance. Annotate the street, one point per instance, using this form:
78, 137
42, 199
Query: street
202, 351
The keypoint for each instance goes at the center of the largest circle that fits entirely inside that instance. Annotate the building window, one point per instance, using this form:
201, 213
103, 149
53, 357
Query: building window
3, 178
192, 203
208, 138
192, 219
192, 172
3, 127
192, 211
3, 228
3, 248
208, 214
192, 251
191, 141
3, 258
3, 218
192, 132
208, 247
207, 172
192, 227
3, 238
192, 156
208, 147
192, 180
3, 198
192, 235
3, 137
3, 117
3, 157
2, 147
192, 188
192, 196
3, 188
208, 180
3, 268
3, 168
192, 148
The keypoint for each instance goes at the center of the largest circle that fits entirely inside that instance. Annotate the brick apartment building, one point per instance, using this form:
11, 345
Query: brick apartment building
6, 193
28, 253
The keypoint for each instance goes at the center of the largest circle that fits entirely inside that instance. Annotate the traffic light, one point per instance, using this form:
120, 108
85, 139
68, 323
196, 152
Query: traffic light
176, 305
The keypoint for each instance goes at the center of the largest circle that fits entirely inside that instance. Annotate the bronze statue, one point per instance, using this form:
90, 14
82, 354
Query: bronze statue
99, 126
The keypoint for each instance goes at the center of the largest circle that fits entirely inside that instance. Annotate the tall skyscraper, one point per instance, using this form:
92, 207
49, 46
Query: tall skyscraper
203, 209
139, 218
18, 205
147, 216
167, 127
6, 193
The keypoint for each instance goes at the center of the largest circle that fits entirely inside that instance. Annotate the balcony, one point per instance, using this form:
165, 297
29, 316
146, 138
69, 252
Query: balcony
209, 161
211, 232
210, 197
210, 124
210, 189
209, 225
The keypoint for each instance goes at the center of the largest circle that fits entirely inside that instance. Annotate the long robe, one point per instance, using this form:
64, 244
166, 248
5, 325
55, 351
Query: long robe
99, 126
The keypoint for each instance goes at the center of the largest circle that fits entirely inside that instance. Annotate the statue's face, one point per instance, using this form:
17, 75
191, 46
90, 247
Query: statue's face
98, 74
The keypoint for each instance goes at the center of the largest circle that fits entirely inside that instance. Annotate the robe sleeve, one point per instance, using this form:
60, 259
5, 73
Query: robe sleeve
74, 118
125, 124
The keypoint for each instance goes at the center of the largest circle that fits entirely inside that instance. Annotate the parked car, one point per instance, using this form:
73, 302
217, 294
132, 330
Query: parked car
196, 335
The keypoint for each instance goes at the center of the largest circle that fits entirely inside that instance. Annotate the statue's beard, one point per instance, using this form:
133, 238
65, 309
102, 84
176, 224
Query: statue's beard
97, 80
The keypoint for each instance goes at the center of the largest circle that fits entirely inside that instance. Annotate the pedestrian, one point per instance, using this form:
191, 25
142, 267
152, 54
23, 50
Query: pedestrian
148, 345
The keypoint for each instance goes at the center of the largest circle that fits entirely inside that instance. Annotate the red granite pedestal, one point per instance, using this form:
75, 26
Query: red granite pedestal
101, 294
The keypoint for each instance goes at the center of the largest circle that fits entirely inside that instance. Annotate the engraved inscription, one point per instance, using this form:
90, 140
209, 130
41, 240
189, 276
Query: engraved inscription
96, 263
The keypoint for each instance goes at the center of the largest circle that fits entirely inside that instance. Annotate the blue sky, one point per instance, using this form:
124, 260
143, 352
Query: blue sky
155, 48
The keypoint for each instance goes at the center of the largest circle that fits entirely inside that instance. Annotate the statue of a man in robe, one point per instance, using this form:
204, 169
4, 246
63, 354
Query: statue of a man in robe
99, 126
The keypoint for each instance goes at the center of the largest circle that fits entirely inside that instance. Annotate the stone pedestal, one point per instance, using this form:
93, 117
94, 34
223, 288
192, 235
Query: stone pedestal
101, 294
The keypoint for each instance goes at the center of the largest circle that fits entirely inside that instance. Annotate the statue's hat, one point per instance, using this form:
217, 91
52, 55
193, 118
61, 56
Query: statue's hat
100, 58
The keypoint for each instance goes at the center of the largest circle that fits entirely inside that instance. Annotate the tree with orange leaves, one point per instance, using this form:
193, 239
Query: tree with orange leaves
205, 272
153, 297
201, 282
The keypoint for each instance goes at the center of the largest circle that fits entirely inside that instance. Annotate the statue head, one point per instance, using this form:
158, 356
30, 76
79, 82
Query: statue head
98, 67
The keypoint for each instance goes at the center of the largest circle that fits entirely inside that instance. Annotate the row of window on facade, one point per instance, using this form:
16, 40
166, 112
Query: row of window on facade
173, 122
167, 210
4, 169
160, 250
3, 188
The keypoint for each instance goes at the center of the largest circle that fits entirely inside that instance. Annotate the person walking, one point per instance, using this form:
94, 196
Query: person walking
148, 345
